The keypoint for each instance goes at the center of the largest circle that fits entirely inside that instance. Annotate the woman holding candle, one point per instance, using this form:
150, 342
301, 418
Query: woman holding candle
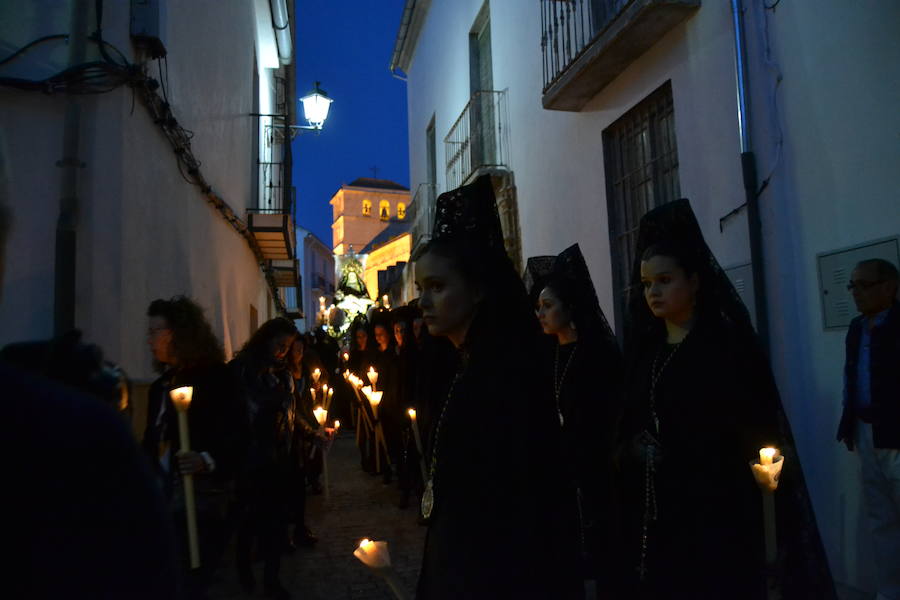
263, 486
187, 353
488, 531
586, 368
701, 401
390, 411
307, 434
407, 369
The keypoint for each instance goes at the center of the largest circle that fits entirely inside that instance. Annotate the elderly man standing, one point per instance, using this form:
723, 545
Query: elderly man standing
871, 420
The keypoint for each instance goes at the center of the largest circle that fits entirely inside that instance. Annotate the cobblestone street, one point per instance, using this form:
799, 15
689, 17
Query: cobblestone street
360, 506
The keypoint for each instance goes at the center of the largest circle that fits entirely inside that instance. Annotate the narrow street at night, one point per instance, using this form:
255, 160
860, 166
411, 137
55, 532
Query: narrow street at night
360, 506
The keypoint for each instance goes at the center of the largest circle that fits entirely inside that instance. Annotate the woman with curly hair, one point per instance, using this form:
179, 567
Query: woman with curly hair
187, 353
263, 484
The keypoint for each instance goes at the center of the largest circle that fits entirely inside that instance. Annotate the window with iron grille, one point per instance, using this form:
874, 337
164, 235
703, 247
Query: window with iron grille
641, 161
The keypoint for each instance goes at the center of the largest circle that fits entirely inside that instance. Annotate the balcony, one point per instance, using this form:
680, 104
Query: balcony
477, 142
588, 43
285, 273
272, 224
421, 212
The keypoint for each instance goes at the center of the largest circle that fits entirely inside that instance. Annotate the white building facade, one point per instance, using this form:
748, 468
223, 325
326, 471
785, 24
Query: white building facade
180, 186
641, 109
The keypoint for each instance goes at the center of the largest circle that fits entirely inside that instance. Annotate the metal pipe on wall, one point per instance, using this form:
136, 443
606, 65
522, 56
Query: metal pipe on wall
70, 164
282, 25
748, 169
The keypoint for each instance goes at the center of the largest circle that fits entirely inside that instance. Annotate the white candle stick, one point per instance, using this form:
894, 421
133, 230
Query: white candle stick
415, 427
315, 375
181, 398
373, 376
767, 472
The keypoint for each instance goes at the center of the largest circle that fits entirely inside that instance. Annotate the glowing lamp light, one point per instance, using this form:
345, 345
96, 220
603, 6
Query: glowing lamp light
315, 106
320, 414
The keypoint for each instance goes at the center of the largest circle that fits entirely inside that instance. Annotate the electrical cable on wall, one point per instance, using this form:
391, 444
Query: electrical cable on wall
98, 77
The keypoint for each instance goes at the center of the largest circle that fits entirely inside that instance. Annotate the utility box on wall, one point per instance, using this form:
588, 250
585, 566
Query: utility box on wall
835, 267
148, 26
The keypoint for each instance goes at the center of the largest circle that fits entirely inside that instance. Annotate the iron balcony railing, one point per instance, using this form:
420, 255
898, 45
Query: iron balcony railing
477, 138
568, 27
422, 213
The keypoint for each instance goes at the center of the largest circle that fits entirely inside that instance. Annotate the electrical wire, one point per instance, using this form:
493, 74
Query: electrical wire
30, 45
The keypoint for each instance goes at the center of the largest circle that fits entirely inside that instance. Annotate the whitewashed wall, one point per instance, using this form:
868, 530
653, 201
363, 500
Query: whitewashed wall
836, 184
144, 232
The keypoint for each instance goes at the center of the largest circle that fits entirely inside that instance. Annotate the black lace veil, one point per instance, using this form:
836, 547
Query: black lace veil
467, 229
806, 570
570, 268
717, 298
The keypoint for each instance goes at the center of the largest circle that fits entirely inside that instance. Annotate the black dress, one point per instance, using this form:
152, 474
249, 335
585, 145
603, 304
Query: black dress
715, 403
493, 531
588, 376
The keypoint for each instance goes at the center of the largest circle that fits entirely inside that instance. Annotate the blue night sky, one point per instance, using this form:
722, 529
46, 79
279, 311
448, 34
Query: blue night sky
347, 46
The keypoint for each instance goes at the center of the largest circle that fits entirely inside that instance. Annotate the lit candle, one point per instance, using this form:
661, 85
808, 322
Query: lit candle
320, 414
347, 374
181, 398
766, 472
415, 428
337, 425
346, 357
375, 400
376, 556
766, 455
316, 374
373, 376
312, 392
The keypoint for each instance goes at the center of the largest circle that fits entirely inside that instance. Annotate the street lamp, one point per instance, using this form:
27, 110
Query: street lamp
315, 108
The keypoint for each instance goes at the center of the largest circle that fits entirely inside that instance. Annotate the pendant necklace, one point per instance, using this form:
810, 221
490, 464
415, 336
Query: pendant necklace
558, 381
650, 506
428, 494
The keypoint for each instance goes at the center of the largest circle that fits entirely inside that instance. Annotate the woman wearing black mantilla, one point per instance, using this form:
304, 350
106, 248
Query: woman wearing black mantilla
491, 471
701, 402
587, 382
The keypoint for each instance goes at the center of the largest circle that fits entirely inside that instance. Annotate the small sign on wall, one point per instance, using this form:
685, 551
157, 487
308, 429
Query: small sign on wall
835, 267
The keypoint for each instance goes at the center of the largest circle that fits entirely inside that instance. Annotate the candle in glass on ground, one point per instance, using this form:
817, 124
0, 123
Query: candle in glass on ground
181, 398
415, 428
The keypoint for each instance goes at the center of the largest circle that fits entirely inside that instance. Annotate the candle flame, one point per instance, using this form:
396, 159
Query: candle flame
337, 424
320, 414
412, 413
766, 455
181, 397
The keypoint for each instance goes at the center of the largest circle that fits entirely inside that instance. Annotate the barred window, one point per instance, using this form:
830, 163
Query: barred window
641, 160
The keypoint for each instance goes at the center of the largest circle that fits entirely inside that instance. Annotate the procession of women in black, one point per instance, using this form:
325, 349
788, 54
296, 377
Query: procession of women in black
541, 455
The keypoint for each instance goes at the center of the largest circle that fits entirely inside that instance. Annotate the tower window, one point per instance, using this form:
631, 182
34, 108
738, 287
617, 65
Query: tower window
401, 210
367, 208
384, 210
